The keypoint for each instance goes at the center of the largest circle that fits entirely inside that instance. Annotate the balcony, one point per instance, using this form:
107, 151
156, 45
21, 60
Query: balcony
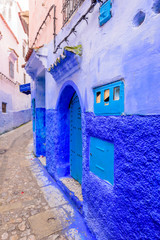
69, 7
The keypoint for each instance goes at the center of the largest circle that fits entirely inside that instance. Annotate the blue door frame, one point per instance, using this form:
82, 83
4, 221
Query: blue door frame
75, 139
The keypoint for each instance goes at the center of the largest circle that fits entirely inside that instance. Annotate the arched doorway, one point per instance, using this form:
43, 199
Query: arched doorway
75, 139
67, 147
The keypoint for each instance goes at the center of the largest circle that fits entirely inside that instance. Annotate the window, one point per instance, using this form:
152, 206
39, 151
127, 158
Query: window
156, 6
4, 107
24, 51
17, 65
24, 76
98, 97
69, 7
1, 35
105, 12
11, 69
116, 93
139, 18
109, 99
106, 97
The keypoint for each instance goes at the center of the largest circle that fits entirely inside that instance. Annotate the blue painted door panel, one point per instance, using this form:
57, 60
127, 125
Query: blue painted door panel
75, 139
102, 159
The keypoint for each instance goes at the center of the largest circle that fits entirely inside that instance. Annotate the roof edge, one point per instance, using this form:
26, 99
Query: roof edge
9, 28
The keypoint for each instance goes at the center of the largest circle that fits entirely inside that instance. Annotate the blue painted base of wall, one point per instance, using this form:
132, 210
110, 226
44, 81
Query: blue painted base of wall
11, 120
57, 143
130, 208
40, 132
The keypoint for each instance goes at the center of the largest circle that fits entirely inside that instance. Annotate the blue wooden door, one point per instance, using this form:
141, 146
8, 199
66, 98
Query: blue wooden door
75, 139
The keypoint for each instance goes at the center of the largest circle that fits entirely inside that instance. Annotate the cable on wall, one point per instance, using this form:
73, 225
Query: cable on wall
84, 17
44, 23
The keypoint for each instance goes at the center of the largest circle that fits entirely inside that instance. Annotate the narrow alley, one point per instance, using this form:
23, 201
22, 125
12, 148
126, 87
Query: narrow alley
79, 120
31, 205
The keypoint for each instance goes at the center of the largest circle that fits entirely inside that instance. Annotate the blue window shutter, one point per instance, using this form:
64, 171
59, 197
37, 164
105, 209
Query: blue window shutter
115, 105
105, 12
102, 159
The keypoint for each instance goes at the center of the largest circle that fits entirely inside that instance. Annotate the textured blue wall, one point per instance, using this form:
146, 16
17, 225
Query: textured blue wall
58, 138
52, 143
129, 209
11, 120
40, 133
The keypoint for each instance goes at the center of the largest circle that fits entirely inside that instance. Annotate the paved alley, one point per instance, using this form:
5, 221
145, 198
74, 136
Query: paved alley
32, 207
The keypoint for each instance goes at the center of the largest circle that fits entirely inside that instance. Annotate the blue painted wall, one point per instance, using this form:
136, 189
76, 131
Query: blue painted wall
39, 120
125, 51
58, 121
130, 208
40, 133
11, 120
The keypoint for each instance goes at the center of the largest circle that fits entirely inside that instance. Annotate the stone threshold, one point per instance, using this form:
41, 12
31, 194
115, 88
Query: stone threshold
70, 187
73, 190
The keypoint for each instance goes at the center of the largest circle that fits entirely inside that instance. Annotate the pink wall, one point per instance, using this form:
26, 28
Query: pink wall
9, 87
38, 10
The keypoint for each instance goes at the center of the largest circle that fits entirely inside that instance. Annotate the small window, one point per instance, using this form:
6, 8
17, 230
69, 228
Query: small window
106, 97
4, 107
98, 97
11, 69
105, 12
1, 35
24, 78
110, 99
17, 66
69, 7
24, 51
139, 18
156, 6
116, 93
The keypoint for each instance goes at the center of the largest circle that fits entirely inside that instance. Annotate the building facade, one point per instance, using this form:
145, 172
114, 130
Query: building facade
14, 105
95, 110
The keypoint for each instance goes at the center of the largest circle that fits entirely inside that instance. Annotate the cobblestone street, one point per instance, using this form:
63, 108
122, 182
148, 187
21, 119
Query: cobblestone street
32, 207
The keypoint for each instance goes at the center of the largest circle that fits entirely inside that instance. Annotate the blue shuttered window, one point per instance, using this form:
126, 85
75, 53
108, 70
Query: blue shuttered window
109, 99
105, 12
